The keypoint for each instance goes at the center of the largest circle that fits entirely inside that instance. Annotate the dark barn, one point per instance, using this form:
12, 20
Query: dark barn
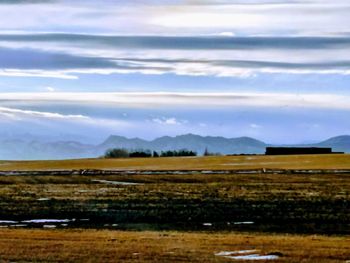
297, 150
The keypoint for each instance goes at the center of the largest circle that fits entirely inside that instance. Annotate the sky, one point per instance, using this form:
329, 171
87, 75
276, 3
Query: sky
278, 71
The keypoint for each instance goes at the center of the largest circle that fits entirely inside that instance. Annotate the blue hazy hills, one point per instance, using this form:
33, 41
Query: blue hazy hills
33, 148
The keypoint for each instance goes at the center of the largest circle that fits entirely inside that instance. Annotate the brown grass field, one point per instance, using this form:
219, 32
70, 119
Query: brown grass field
334, 161
119, 246
294, 203
300, 217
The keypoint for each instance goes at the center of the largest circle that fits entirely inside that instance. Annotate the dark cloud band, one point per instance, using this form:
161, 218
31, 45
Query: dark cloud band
187, 43
40, 60
31, 57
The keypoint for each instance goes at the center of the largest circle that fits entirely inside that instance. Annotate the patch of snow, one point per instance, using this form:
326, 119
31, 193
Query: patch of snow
207, 224
113, 225
19, 225
245, 255
85, 191
254, 257
43, 199
229, 253
49, 226
244, 223
8, 222
39, 221
114, 182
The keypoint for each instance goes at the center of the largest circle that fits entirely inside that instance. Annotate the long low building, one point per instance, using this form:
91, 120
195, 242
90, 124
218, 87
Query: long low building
298, 150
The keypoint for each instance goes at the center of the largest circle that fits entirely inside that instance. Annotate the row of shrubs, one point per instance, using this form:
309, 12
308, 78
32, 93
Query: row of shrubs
124, 153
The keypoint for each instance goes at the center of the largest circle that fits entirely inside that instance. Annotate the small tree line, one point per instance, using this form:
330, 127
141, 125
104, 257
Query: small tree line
124, 153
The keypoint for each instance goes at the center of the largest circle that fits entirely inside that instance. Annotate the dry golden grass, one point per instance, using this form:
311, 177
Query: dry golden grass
117, 246
334, 161
187, 187
19, 197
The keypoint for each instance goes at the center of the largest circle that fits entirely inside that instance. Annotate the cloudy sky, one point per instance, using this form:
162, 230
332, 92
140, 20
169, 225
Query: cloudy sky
275, 70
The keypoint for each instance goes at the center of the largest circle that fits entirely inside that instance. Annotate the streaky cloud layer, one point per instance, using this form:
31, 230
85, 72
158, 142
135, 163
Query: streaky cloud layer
54, 55
188, 100
272, 69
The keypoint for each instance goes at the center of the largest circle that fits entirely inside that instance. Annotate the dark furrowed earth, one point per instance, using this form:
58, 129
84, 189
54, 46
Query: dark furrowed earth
286, 201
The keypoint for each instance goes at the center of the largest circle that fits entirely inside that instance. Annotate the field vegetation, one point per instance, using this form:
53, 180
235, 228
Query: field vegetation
159, 210
124, 153
316, 203
19, 245
332, 161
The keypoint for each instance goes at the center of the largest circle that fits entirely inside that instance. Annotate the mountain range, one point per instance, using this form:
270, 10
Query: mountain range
27, 149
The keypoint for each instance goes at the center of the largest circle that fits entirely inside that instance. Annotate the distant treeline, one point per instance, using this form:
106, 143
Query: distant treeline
124, 153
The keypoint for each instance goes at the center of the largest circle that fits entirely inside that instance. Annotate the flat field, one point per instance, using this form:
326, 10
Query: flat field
333, 161
179, 217
79, 245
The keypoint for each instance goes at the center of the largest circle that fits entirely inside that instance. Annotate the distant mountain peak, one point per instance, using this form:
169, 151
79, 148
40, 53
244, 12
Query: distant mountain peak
115, 137
188, 135
19, 149
338, 139
189, 141
338, 143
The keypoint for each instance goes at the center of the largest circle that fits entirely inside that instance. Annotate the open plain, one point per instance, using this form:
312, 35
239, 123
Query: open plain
203, 209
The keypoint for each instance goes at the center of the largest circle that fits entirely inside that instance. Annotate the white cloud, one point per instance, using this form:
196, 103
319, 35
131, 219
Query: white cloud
35, 73
255, 126
19, 114
179, 17
181, 69
48, 120
227, 34
188, 100
213, 56
168, 121
209, 20
50, 89
264, 17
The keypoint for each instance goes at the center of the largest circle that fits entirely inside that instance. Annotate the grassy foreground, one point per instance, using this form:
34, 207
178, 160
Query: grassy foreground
118, 246
333, 161
273, 214
293, 203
